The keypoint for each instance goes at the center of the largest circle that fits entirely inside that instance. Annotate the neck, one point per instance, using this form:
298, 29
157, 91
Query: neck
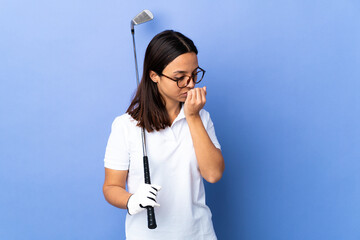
173, 110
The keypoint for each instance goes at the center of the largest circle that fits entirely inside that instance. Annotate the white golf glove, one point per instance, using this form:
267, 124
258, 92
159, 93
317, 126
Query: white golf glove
145, 196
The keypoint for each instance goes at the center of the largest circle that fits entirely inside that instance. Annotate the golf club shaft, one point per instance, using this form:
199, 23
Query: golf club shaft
150, 210
136, 65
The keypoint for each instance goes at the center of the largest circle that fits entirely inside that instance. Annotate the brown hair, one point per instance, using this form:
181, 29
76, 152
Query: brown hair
148, 107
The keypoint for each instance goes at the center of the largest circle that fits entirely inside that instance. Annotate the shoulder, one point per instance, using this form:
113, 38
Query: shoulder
124, 119
124, 122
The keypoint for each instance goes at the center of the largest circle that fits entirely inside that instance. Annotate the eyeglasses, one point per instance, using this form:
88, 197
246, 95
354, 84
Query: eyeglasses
183, 81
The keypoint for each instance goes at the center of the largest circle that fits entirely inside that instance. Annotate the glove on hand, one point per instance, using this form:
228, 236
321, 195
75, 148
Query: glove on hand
145, 196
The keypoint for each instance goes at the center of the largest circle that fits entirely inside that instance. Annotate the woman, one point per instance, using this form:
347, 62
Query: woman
181, 146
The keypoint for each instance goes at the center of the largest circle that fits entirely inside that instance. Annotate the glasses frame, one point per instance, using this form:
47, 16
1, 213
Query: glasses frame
190, 78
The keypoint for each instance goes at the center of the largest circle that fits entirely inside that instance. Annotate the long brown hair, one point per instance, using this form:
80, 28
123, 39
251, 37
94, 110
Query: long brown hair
148, 107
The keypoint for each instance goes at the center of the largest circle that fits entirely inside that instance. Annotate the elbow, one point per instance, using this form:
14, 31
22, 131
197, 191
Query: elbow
104, 188
215, 173
105, 191
214, 177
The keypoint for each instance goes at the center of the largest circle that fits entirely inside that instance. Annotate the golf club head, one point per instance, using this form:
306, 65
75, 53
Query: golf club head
142, 17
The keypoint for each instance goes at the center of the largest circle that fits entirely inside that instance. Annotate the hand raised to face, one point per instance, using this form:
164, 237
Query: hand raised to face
195, 101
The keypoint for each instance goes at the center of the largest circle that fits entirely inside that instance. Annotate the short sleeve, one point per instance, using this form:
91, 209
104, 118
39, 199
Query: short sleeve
211, 131
117, 154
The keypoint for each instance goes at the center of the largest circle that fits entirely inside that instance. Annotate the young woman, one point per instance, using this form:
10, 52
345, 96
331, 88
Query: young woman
181, 146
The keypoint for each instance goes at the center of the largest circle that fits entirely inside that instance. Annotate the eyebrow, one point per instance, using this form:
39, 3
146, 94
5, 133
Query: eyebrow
185, 71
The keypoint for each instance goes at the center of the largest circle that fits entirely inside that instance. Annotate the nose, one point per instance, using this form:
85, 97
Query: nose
191, 83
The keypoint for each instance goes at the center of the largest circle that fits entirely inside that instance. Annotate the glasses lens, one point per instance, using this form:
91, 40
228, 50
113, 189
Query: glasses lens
183, 82
198, 76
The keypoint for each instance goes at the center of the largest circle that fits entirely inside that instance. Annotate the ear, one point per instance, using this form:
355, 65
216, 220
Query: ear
154, 76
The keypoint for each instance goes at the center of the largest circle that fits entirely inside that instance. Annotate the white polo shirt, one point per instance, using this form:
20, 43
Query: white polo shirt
183, 214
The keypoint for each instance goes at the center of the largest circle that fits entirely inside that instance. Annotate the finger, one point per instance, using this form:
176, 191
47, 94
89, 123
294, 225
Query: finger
155, 205
189, 96
204, 87
152, 199
194, 93
152, 193
150, 202
147, 203
198, 94
203, 97
201, 94
156, 187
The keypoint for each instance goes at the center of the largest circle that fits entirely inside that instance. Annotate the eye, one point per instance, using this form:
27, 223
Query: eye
180, 78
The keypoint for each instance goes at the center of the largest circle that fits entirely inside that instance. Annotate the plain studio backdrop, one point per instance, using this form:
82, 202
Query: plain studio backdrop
283, 80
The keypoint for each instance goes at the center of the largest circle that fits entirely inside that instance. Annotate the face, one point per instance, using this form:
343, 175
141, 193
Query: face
184, 64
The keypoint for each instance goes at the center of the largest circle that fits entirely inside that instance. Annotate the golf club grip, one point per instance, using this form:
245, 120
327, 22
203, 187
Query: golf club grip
151, 218
150, 210
146, 170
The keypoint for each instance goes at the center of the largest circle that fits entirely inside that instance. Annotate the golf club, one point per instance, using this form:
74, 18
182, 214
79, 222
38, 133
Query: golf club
143, 17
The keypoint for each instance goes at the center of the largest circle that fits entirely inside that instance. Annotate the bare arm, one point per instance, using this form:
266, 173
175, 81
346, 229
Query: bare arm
210, 159
114, 187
